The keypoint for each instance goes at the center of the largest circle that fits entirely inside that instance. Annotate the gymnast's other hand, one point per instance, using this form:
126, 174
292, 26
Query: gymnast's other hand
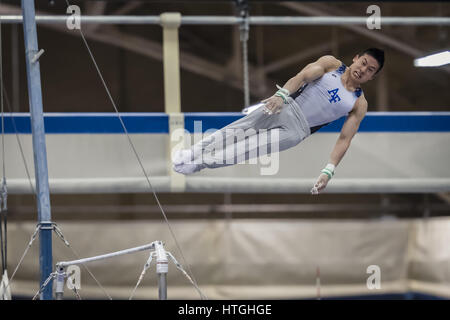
320, 184
272, 105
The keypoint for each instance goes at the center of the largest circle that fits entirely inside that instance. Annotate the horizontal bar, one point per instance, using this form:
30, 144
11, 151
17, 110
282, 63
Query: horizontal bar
107, 256
281, 185
327, 20
158, 123
204, 184
236, 208
232, 20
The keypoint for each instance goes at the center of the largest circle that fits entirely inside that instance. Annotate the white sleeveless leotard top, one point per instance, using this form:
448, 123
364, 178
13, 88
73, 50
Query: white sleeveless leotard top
326, 99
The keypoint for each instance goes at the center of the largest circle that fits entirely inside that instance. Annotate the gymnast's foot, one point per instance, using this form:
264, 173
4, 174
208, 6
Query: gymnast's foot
181, 157
187, 168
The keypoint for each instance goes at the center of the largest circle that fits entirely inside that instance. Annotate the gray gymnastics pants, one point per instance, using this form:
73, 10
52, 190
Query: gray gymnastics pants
252, 136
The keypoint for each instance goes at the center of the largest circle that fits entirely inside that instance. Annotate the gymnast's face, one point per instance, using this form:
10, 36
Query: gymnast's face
363, 68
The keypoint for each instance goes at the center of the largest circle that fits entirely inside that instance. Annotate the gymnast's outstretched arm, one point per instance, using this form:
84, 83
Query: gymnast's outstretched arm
308, 74
348, 131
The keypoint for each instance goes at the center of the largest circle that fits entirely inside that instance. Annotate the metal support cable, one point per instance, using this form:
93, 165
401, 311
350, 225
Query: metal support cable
59, 233
30, 243
4, 225
61, 236
8, 105
4, 191
144, 270
44, 285
133, 146
3, 196
178, 266
77, 294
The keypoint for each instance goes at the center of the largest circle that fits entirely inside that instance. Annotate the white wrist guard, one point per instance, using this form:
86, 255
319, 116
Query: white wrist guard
283, 93
329, 170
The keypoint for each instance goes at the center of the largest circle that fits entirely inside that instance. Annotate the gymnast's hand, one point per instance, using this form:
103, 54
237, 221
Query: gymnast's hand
321, 183
272, 105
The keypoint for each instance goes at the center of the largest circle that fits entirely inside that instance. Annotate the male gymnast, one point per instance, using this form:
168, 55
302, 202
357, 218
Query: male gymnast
319, 94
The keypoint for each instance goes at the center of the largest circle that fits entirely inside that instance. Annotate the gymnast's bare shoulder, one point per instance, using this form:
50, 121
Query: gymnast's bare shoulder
329, 63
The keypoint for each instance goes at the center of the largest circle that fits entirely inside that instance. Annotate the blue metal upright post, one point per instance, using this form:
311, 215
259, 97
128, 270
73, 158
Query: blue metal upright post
39, 148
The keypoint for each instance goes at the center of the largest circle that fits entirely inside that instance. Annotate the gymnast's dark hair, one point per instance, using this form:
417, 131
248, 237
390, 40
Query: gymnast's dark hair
377, 54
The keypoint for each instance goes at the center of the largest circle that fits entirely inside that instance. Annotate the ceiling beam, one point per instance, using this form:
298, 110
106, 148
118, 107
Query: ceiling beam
445, 196
152, 49
92, 9
126, 8
95, 8
371, 34
314, 51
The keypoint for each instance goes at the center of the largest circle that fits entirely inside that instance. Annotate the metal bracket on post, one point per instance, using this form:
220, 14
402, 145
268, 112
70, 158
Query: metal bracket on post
162, 268
170, 20
37, 55
46, 225
60, 278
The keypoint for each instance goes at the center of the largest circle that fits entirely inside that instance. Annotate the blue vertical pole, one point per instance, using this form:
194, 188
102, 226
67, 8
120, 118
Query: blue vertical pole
39, 148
